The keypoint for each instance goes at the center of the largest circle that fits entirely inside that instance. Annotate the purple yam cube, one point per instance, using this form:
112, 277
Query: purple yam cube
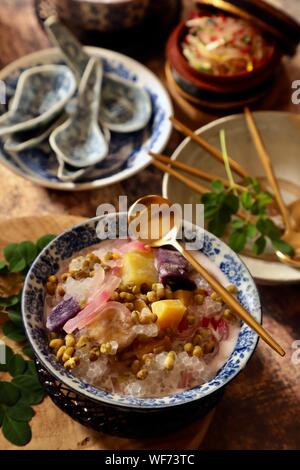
63, 312
173, 270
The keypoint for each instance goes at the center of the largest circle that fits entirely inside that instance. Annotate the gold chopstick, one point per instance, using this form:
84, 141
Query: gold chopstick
194, 171
189, 169
242, 313
199, 188
267, 165
214, 151
184, 179
232, 302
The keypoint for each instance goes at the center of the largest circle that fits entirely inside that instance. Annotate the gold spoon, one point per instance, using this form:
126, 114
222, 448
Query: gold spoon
290, 235
168, 236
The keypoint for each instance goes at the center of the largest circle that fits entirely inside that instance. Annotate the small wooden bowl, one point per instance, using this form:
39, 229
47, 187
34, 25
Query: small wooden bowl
236, 98
218, 103
219, 83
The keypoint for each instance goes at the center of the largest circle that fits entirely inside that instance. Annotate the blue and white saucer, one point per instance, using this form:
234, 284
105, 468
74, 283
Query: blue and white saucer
129, 153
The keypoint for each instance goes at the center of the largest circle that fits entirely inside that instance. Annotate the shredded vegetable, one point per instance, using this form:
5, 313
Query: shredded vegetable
224, 45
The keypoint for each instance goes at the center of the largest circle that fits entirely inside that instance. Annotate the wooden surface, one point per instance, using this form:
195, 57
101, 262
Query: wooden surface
74, 435
261, 408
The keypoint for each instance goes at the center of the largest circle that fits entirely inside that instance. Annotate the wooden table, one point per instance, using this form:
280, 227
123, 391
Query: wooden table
261, 409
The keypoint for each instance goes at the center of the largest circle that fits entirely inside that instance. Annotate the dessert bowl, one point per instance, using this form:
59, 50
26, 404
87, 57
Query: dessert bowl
197, 400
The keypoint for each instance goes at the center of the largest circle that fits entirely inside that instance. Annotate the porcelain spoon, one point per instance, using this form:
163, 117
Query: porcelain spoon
42, 93
79, 141
125, 107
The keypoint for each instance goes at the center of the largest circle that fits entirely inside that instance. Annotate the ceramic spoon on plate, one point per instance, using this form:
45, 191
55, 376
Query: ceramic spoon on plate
28, 139
147, 211
66, 172
80, 141
41, 94
125, 107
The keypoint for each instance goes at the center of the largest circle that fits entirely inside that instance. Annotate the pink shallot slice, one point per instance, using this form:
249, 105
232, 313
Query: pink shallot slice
98, 279
135, 245
95, 303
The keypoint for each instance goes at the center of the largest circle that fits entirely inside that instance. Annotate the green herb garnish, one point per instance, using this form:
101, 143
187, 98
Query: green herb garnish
222, 206
21, 389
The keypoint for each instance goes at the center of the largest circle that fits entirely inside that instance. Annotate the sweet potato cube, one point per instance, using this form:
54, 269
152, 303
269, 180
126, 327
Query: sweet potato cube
138, 268
169, 313
186, 296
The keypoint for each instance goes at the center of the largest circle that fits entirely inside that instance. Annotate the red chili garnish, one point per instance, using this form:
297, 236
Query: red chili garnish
205, 292
183, 325
222, 329
214, 322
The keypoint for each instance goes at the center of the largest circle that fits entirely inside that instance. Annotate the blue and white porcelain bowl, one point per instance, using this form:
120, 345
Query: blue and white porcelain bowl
128, 153
84, 235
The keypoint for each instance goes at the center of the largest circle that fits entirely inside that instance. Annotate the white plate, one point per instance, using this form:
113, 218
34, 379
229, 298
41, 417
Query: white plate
39, 164
281, 134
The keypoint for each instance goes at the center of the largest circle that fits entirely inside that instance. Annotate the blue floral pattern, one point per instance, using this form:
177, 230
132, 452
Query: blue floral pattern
41, 95
84, 235
127, 151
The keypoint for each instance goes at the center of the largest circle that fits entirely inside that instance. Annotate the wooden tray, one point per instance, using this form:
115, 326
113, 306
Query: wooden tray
51, 428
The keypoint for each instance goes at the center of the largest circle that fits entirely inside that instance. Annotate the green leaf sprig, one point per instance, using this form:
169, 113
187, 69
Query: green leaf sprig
17, 396
222, 205
20, 389
19, 256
